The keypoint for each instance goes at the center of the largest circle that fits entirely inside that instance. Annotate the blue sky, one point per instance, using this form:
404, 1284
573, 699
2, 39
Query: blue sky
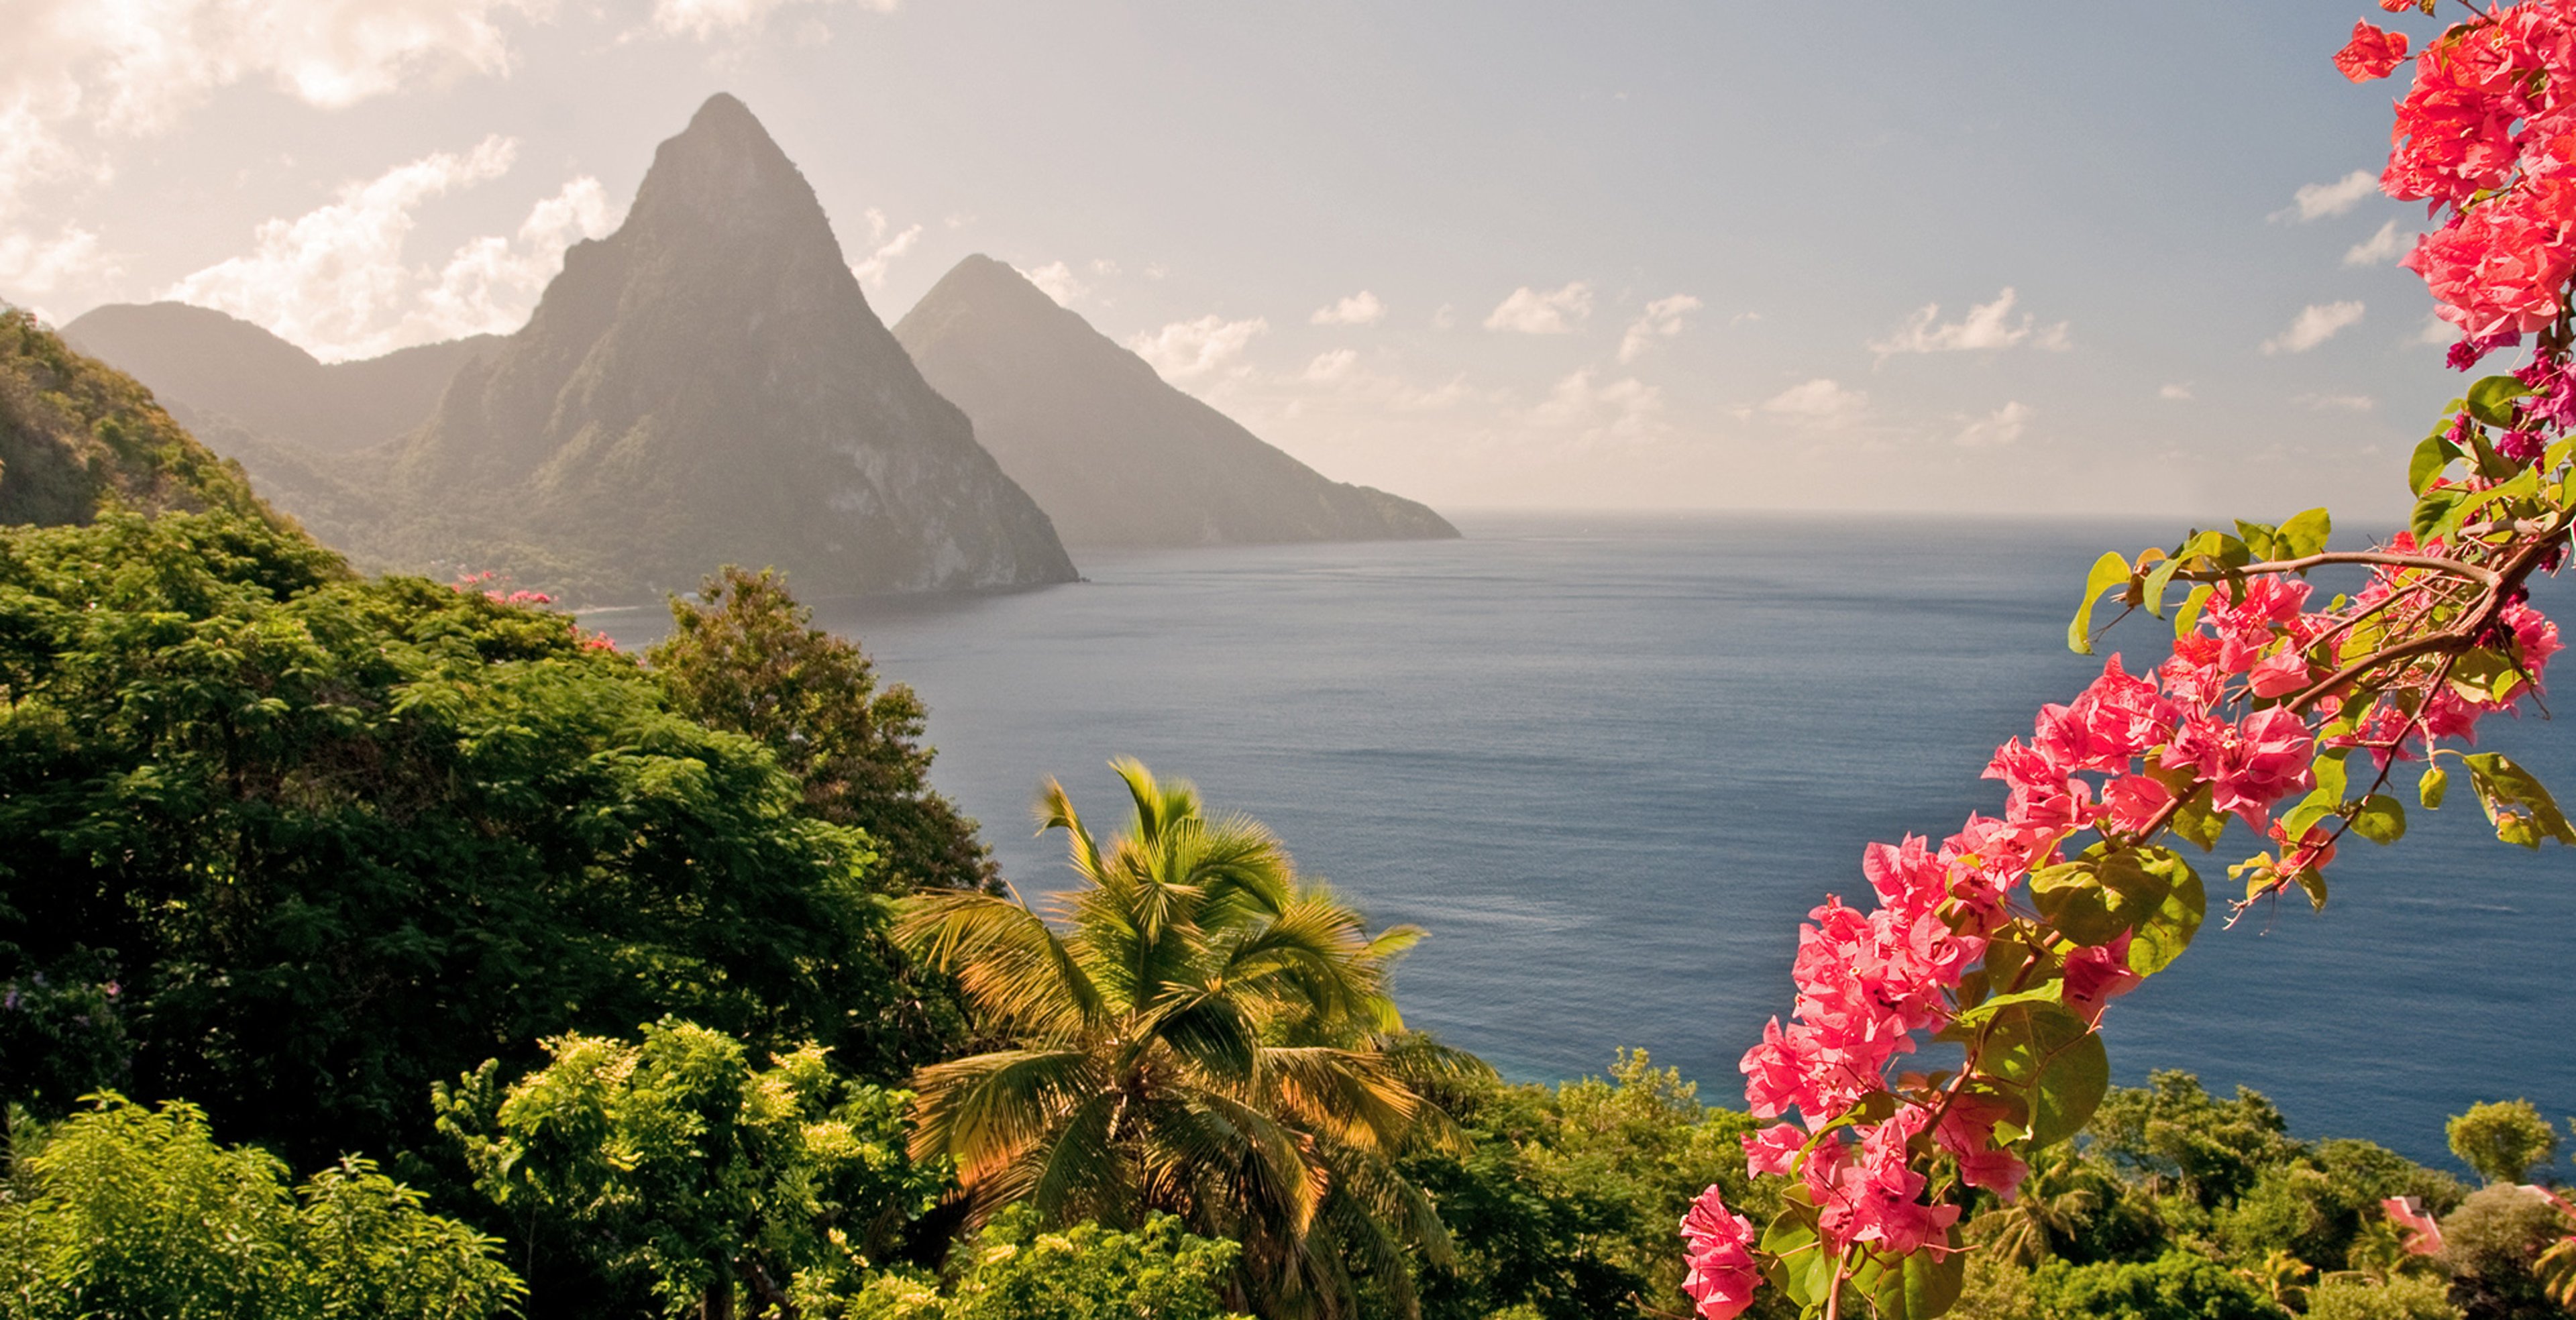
1613, 254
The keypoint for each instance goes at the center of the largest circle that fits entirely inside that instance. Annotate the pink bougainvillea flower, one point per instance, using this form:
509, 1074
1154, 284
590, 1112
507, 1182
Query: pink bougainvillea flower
2279, 675
2095, 976
2371, 53
2131, 802
2535, 638
2248, 765
1719, 1242
1773, 1149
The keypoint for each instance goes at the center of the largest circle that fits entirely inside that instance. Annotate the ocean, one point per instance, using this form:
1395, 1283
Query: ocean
1608, 762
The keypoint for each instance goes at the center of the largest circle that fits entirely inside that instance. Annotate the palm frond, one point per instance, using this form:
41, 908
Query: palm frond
1015, 968
1348, 1095
984, 1111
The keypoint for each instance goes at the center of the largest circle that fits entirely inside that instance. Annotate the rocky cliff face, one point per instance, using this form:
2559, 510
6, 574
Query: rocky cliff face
708, 385
1116, 456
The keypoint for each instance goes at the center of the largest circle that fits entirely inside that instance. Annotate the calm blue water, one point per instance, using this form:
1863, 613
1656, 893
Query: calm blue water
1609, 762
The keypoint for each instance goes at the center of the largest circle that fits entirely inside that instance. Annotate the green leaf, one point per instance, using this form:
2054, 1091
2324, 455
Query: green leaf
2052, 1057
2432, 786
2157, 581
2491, 399
2072, 898
2046, 993
1917, 1287
2196, 824
2329, 770
2260, 538
2189, 614
2431, 457
2305, 534
2381, 819
2433, 511
2108, 571
2176, 917
1791, 1248
2314, 886
2520, 808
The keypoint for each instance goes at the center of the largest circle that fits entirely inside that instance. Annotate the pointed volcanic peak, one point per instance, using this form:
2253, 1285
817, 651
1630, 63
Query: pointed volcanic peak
204, 365
708, 385
1114, 455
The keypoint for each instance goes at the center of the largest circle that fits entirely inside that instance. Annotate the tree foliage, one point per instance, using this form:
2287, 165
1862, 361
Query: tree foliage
745, 657
2502, 1139
330, 840
1562, 1205
121, 1210
672, 1175
1018, 1269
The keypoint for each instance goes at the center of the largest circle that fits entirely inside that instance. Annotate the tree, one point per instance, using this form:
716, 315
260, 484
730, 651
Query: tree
1563, 1201
2180, 1139
744, 657
2493, 1244
670, 1175
322, 842
2502, 1139
1205, 1033
1018, 1269
121, 1210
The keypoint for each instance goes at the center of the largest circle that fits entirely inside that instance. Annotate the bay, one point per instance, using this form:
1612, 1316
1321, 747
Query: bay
1608, 762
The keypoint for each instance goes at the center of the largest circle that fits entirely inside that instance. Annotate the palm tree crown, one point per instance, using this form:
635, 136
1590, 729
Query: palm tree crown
1201, 1031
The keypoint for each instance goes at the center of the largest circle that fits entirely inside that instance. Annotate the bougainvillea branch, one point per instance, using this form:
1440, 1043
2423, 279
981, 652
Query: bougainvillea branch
2010, 938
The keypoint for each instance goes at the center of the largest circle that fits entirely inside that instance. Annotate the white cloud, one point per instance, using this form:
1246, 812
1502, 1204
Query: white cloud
490, 285
1986, 326
2315, 324
2436, 332
1663, 320
1444, 319
2316, 201
1619, 410
1055, 280
703, 19
1530, 312
886, 251
1997, 429
1361, 308
2359, 403
2385, 246
1339, 373
2178, 392
1186, 349
35, 267
1819, 402
336, 280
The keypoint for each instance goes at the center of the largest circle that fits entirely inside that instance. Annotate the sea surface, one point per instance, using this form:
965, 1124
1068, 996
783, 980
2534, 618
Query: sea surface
1608, 763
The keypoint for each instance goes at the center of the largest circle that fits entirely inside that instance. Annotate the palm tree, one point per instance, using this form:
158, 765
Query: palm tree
2056, 1201
1199, 1031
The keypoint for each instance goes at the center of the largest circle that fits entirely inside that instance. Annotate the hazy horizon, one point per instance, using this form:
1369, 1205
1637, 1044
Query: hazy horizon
2020, 260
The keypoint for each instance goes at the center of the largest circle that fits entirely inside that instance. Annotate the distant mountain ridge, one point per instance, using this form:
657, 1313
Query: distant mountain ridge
200, 361
78, 437
1116, 456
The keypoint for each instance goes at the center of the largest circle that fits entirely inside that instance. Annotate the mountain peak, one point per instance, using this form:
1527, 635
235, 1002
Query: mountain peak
724, 177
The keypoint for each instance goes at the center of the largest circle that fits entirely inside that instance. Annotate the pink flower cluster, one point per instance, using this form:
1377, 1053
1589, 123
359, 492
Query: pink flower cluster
2112, 762
2485, 132
1719, 1244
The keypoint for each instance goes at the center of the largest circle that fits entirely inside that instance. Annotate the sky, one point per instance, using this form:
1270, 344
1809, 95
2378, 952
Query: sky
1987, 259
